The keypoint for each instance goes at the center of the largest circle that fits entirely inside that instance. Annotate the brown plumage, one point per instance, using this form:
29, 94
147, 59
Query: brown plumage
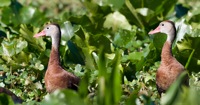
56, 77
169, 68
13, 96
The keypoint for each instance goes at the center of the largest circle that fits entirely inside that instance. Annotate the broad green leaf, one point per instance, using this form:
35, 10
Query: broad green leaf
8, 48
21, 45
182, 29
124, 38
158, 40
69, 31
133, 57
11, 13
190, 43
117, 4
8, 16
26, 14
116, 21
185, 44
194, 14
5, 3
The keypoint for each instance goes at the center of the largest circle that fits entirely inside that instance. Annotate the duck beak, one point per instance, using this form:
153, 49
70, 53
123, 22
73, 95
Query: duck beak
157, 30
42, 33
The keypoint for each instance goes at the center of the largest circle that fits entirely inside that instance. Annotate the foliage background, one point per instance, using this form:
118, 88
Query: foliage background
105, 43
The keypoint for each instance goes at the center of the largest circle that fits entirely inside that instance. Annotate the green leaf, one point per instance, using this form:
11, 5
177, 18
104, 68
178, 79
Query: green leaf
11, 13
109, 80
124, 38
135, 56
144, 11
28, 35
75, 53
7, 48
69, 31
182, 29
117, 4
158, 40
100, 40
68, 97
5, 3
39, 66
20, 46
82, 40
8, 16
5, 99
91, 6
116, 21
26, 14
189, 45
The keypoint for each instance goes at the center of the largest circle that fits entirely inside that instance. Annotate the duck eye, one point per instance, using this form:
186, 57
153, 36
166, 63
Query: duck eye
162, 24
47, 27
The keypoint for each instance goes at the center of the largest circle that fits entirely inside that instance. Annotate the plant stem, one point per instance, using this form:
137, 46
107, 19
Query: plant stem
133, 11
189, 59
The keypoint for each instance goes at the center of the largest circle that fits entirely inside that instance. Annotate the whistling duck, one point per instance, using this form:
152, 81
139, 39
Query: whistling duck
169, 68
56, 77
13, 96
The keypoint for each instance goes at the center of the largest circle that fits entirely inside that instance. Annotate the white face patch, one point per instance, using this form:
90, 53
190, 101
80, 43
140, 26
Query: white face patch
168, 28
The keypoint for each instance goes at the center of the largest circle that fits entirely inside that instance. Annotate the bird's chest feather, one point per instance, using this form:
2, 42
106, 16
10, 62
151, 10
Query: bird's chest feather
167, 74
55, 80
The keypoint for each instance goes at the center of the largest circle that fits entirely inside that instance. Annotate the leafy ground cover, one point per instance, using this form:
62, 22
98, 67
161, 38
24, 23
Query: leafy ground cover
105, 43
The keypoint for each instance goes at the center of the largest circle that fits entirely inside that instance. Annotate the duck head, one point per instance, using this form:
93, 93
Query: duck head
166, 27
50, 30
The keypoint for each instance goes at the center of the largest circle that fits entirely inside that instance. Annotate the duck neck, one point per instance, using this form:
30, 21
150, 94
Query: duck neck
166, 54
55, 55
